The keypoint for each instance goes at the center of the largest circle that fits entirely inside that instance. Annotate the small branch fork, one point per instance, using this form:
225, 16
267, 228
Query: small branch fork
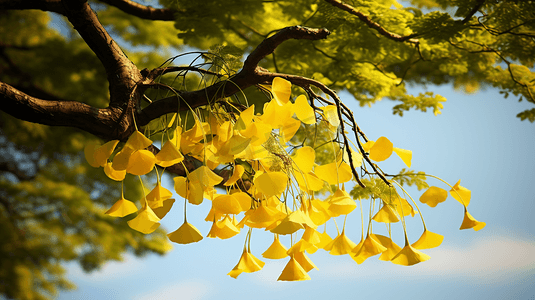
368, 21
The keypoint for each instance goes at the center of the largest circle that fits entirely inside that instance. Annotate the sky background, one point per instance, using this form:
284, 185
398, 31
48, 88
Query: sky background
477, 138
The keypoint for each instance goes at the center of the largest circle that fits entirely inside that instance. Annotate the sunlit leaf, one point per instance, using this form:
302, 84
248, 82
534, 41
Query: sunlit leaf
272, 183
461, 194
304, 111
282, 89
381, 149
122, 208
428, 240
141, 162
276, 250
293, 271
185, 234
409, 256
433, 196
471, 222
405, 155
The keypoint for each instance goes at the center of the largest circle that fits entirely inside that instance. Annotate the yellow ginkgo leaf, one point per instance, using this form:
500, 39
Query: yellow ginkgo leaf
141, 162
304, 159
204, 177
223, 229
227, 204
288, 129
245, 118
433, 196
405, 155
146, 220
248, 263
103, 152
271, 184
138, 141
318, 211
461, 194
282, 89
224, 131
276, 115
243, 198
293, 271
236, 175
293, 222
114, 174
158, 194
122, 208
195, 193
263, 216
403, 207
258, 133
169, 155
471, 222
253, 152
89, 153
301, 246
386, 215
355, 156
304, 111
121, 159
368, 145
304, 261
325, 240
165, 208
340, 245
392, 249
330, 112
341, 203
235, 145
409, 256
181, 186
185, 234
428, 240
276, 250
334, 173
308, 182
381, 149
368, 248
313, 237
195, 133
176, 136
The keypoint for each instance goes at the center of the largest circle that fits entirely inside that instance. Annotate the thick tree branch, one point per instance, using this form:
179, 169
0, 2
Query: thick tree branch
268, 45
100, 122
143, 11
45, 5
251, 74
122, 73
372, 24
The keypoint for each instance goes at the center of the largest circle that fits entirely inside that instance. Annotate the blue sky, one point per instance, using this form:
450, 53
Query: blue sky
477, 139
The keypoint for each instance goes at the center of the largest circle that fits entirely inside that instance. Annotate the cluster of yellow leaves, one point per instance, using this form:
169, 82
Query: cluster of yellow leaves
274, 188
435, 195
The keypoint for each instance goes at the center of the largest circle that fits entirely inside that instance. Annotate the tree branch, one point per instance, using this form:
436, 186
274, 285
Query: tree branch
121, 72
143, 11
268, 45
372, 24
251, 74
100, 122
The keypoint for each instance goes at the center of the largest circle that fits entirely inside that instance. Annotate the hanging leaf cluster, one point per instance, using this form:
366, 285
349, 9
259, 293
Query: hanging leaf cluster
258, 175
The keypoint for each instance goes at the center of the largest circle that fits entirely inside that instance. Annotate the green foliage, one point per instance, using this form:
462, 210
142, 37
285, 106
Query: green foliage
52, 203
